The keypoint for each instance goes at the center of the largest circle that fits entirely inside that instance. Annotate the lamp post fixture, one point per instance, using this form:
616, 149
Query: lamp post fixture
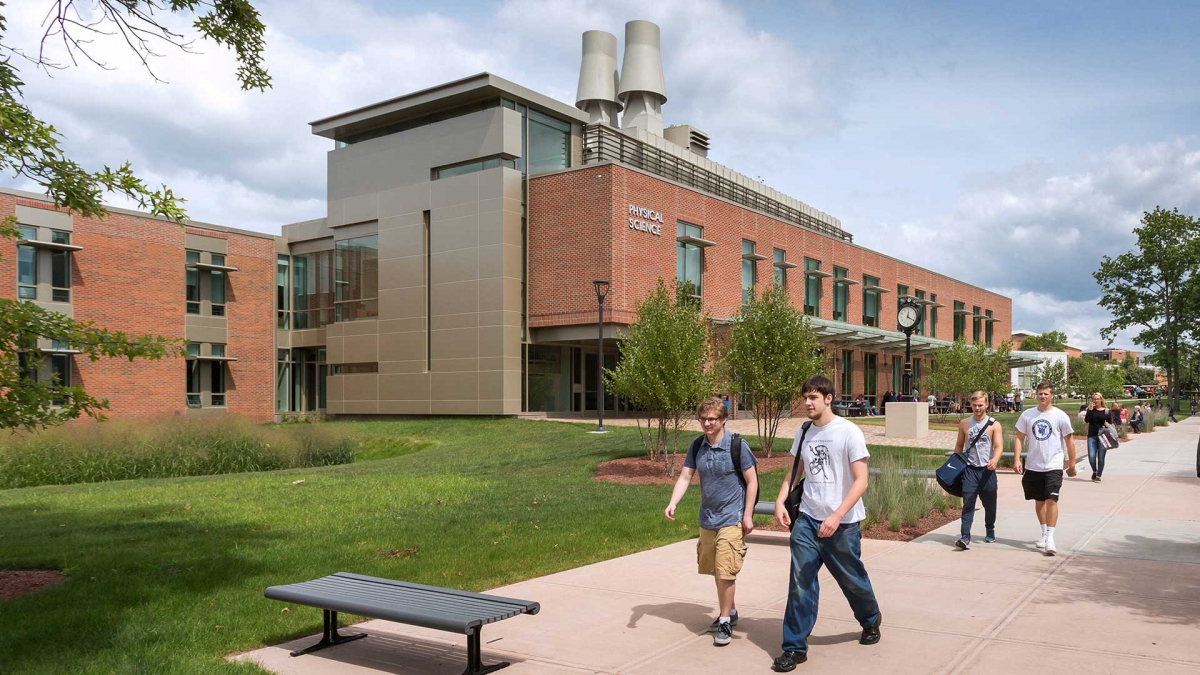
601, 292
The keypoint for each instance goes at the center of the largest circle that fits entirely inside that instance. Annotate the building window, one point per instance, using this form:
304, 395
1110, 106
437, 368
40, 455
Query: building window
960, 321
897, 374
988, 329
472, 167
812, 288
748, 272
26, 232
841, 295
870, 377
549, 143
777, 272
217, 277
193, 380
217, 382
688, 257
356, 279
312, 290
355, 368
60, 236
932, 315
193, 282
60, 276
60, 370
283, 380
27, 277
901, 296
976, 325
847, 375
920, 295
282, 316
870, 301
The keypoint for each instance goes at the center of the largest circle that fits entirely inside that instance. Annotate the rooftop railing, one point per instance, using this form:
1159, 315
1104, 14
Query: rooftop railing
603, 143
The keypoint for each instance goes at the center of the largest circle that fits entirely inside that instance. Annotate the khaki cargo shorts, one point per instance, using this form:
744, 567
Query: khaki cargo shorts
721, 552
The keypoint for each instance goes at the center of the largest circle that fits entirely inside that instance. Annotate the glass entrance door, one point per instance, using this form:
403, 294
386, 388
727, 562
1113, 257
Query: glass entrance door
591, 386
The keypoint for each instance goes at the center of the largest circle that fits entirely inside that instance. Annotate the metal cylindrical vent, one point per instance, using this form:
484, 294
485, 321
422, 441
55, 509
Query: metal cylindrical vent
598, 78
643, 89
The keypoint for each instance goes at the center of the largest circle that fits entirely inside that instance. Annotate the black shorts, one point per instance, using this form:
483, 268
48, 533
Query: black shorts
1042, 485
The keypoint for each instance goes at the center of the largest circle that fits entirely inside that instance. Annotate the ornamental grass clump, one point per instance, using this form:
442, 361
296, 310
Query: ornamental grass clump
900, 496
164, 448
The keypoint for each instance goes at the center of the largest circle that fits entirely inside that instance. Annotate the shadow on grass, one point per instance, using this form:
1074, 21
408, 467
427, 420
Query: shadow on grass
132, 562
387, 652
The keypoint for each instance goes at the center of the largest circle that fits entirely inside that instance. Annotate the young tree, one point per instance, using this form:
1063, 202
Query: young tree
1156, 287
1087, 375
771, 351
1051, 341
960, 369
1054, 371
31, 148
664, 367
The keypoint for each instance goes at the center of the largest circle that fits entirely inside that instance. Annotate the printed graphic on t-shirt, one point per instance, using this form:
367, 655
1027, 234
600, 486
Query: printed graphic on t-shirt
820, 457
1042, 430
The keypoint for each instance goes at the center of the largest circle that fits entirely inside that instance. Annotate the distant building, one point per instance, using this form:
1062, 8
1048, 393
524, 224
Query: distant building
1019, 336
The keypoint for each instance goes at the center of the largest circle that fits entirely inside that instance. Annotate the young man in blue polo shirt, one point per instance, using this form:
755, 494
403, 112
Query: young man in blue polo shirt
726, 509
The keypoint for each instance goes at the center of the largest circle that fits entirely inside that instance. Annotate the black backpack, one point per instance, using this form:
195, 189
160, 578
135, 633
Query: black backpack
735, 442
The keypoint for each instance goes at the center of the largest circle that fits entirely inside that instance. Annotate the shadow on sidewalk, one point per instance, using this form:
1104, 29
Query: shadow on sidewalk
1155, 590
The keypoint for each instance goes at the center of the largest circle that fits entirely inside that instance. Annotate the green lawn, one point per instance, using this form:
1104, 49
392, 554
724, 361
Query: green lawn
166, 575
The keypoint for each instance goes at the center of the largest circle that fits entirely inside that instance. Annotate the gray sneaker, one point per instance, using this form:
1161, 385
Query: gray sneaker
712, 627
724, 633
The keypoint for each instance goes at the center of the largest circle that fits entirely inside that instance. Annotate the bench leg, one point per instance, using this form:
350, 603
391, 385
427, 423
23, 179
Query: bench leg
330, 636
475, 660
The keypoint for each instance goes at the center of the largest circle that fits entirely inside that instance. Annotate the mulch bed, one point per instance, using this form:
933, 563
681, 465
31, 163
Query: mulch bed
642, 471
20, 582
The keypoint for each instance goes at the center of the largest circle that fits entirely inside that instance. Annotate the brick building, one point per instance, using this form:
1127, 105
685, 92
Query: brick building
452, 272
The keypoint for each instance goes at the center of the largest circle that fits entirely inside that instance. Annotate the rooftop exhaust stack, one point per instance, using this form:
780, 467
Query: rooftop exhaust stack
643, 90
597, 93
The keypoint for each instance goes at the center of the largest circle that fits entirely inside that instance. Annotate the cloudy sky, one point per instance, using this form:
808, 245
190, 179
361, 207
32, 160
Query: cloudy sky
1009, 145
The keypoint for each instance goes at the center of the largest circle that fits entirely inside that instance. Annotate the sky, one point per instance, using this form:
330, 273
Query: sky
1008, 145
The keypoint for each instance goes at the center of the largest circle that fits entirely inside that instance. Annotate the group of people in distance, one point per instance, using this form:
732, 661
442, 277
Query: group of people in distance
833, 459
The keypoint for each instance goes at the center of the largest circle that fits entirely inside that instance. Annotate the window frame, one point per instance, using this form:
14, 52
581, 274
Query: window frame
27, 290
749, 271
873, 296
812, 286
682, 250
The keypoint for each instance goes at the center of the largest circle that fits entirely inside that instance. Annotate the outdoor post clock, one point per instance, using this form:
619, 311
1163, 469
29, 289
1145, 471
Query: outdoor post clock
908, 315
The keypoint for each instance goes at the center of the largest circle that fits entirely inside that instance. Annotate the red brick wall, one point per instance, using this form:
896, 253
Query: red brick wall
130, 277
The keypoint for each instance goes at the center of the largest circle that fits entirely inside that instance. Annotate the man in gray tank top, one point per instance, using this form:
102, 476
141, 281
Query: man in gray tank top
981, 437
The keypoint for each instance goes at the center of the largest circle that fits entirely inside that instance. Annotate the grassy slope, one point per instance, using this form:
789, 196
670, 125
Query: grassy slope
166, 576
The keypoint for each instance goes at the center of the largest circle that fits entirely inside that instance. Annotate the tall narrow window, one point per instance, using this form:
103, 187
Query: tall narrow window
27, 277
60, 276
193, 282
870, 301
217, 381
282, 296
283, 380
748, 271
777, 272
933, 308
920, 298
897, 374
217, 279
988, 328
688, 256
901, 295
549, 143
976, 325
960, 321
193, 375
870, 376
356, 279
847, 375
812, 287
60, 369
841, 295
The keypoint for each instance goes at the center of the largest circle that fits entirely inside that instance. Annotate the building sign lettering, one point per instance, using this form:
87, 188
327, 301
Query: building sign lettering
645, 220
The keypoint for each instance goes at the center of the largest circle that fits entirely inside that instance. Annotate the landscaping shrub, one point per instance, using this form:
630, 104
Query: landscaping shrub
1160, 417
167, 447
901, 499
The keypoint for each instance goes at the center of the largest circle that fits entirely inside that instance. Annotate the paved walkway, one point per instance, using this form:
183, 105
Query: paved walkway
1122, 596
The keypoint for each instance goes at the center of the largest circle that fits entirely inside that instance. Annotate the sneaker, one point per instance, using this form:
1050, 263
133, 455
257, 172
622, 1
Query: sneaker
870, 634
723, 635
964, 542
990, 538
712, 627
1097, 479
788, 661
1050, 548
1041, 543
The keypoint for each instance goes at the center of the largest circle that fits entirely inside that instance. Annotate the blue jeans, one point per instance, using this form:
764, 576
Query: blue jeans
1096, 453
843, 554
979, 482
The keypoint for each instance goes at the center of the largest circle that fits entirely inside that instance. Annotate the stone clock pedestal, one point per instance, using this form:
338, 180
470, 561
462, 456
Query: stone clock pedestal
907, 420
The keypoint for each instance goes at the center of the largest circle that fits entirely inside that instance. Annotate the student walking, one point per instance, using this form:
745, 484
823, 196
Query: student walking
1049, 431
833, 455
982, 438
1096, 417
726, 507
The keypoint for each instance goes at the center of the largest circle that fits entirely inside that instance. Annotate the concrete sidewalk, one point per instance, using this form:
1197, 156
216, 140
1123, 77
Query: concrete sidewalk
1122, 596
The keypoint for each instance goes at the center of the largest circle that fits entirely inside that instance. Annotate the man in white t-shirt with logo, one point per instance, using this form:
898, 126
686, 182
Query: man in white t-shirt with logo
826, 532
1048, 431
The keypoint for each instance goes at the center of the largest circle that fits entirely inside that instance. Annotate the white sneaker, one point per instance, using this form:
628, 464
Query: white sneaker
1051, 549
1041, 543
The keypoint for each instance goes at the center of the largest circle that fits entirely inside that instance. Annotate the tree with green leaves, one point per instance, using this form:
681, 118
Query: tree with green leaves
772, 349
1087, 375
664, 369
31, 148
1156, 287
1054, 371
1132, 373
1050, 341
960, 369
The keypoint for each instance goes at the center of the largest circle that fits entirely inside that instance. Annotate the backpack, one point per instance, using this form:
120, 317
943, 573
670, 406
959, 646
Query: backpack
735, 441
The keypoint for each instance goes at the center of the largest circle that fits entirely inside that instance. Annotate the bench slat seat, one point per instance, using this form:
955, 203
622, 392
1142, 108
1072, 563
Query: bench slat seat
433, 607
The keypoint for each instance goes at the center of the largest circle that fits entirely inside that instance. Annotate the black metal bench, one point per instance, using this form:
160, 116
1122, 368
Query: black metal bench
415, 604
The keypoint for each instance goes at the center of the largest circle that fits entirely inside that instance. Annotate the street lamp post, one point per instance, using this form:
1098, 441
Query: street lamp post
601, 291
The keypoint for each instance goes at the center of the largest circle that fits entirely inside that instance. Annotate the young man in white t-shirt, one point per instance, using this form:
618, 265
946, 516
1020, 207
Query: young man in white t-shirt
1048, 431
826, 532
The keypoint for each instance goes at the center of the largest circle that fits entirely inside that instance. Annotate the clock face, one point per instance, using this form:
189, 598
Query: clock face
908, 316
